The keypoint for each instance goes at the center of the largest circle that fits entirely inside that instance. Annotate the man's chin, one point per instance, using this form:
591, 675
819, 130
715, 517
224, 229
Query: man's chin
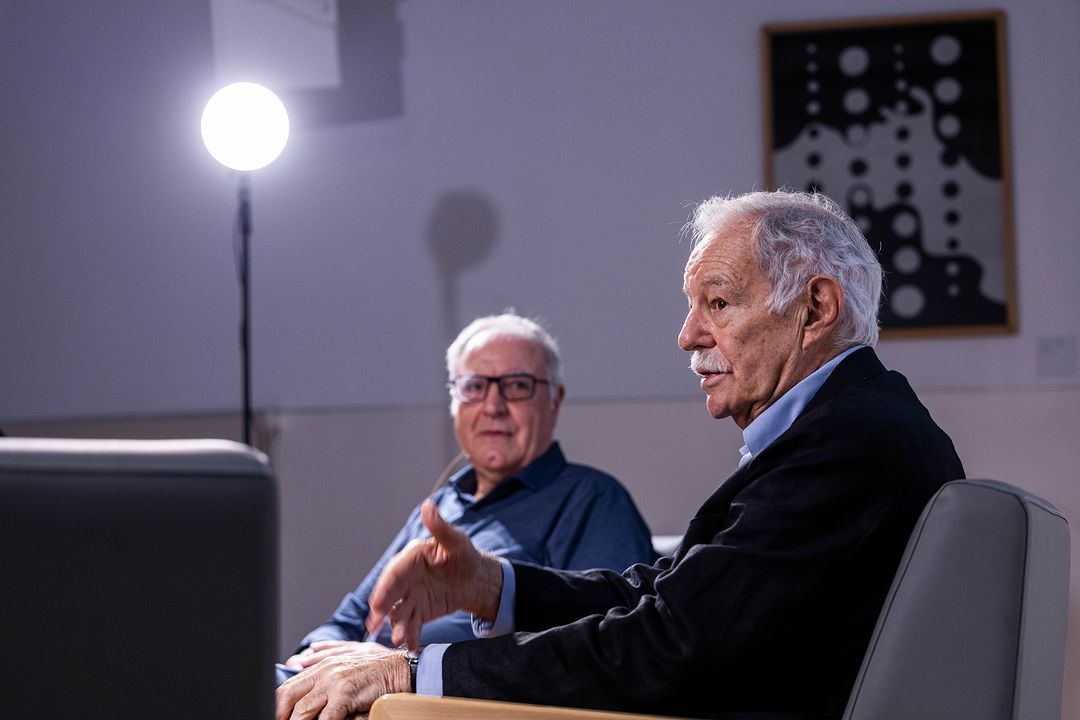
717, 408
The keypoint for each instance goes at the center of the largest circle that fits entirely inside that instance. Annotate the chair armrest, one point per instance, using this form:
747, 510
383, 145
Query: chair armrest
406, 706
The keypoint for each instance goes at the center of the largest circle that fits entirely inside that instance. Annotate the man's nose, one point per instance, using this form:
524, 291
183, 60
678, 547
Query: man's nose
690, 336
493, 401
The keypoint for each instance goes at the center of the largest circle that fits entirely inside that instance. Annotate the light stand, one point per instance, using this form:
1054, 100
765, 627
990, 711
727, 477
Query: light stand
245, 127
244, 217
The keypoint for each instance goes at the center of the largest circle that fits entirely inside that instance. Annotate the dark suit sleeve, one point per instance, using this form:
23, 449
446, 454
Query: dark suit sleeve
780, 578
546, 597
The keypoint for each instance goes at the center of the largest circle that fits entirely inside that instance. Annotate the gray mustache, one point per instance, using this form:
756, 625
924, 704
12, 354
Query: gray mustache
703, 362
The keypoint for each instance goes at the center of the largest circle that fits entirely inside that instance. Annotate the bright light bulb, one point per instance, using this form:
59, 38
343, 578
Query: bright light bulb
245, 126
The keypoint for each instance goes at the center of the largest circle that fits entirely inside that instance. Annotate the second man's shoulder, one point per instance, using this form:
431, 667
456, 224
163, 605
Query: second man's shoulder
587, 473
586, 478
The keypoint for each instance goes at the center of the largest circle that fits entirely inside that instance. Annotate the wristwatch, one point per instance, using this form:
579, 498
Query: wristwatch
413, 656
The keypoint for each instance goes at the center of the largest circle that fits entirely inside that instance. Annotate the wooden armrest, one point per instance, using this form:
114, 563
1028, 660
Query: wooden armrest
406, 706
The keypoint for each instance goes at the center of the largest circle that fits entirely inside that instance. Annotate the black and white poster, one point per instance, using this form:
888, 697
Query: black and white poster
903, 123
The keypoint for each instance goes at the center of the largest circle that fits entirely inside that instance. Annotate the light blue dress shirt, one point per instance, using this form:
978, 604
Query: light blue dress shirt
777, 418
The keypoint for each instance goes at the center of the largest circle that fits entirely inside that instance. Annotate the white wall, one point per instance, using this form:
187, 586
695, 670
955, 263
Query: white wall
537, 154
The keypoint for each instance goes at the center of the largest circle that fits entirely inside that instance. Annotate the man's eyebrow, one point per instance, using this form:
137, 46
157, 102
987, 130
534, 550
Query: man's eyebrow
718, 280
732, 290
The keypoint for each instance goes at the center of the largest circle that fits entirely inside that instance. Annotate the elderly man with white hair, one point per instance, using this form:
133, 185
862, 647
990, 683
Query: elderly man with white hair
518, 498
765, 610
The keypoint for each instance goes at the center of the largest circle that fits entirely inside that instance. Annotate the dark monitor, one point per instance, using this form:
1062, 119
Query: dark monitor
138, 579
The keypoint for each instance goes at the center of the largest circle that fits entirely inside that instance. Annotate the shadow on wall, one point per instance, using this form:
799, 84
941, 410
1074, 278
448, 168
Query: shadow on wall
462, 230
371, 47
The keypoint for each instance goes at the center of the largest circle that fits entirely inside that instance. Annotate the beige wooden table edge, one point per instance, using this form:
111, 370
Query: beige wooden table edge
406, 706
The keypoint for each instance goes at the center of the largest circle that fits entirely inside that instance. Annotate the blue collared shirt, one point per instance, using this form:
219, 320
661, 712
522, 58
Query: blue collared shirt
551, 513
757, 436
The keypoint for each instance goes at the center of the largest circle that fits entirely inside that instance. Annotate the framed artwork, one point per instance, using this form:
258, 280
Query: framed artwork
903, 122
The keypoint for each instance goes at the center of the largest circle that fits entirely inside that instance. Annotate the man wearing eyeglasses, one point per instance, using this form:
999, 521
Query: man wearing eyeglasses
518, 498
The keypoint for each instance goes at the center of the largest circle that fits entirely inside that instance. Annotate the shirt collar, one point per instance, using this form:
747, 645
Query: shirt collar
534, 476
779, 416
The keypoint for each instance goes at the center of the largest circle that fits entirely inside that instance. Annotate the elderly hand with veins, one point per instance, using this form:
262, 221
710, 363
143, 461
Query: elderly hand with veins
342, 685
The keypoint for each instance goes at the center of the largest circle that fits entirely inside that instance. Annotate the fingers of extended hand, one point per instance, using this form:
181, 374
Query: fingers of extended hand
403, 570
406, 620
443, 532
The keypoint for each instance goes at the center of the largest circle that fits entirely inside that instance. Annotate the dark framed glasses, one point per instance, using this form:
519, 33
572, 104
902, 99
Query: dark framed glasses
512, 387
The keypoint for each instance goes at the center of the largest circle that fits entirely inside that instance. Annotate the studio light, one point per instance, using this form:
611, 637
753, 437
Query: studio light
245, 127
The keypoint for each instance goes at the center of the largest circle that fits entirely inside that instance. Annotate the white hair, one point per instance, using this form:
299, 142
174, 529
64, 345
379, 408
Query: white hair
797, 235
512, 324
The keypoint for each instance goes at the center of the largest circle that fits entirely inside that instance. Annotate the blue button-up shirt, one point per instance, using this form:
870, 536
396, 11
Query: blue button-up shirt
552, 513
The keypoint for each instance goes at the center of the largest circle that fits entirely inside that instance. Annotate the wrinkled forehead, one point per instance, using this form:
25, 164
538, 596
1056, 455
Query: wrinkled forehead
700, 251
724, 255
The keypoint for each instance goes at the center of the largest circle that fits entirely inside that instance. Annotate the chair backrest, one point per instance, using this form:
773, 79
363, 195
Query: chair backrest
974, 624
137, 579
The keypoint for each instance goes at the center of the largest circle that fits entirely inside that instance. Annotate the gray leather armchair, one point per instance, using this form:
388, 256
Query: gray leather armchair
973, 626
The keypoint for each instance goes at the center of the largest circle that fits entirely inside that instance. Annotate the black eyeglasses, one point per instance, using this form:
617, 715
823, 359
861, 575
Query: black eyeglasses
512, 387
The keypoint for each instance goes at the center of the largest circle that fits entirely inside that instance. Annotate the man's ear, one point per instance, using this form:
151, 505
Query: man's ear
556, 402
824, 301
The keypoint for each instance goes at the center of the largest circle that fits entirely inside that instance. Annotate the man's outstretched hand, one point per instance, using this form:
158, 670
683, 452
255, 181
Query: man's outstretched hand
434, 577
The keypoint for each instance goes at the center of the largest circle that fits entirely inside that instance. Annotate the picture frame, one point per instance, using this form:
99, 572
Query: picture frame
903, 122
